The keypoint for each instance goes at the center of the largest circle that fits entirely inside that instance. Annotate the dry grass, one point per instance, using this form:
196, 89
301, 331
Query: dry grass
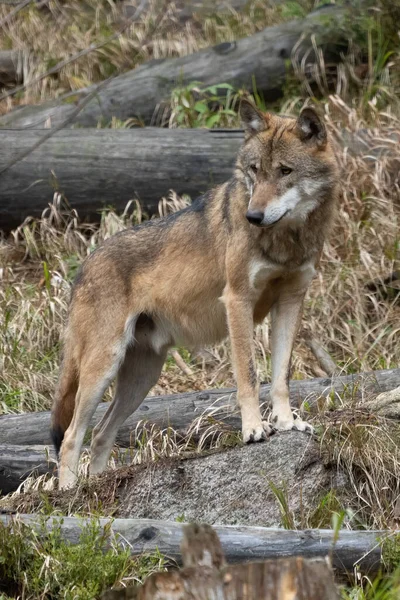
358, 327
366, 447
54, 34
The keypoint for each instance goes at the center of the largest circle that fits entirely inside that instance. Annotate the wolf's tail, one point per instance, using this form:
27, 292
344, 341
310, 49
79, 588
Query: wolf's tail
64, 402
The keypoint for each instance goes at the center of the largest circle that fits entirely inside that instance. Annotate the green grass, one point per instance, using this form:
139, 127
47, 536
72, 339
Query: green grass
382, 587
36, 565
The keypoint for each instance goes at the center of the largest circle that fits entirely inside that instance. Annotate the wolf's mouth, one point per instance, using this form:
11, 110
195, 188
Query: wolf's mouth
273, 223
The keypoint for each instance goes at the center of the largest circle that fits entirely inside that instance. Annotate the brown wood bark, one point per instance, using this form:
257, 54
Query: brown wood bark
180, 410
205, 576
281, 579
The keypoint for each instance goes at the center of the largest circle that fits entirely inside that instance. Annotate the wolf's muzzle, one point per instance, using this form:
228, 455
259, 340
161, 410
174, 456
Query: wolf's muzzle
255, 217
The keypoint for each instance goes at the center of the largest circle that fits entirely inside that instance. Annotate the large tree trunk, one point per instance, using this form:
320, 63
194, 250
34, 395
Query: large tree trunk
104, 167
240, 544
180, 410
261, 58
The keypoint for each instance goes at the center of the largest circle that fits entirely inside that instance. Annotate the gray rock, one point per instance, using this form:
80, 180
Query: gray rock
232, 487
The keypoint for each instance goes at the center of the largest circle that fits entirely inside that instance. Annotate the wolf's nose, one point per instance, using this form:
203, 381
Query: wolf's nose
255, 217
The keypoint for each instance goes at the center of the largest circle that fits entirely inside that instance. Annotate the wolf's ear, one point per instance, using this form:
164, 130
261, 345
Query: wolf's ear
253, 120
311, 128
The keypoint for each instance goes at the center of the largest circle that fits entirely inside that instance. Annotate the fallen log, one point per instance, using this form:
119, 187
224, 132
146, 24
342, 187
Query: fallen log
19, 462
240, 544
179, 411
103, 167
261, 57
99, 167
206, 575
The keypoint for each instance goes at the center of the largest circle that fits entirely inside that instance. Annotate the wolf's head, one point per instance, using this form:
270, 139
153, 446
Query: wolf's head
288, 166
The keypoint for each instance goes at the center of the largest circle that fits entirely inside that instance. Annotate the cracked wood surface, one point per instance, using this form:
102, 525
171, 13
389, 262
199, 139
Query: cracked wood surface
179, 411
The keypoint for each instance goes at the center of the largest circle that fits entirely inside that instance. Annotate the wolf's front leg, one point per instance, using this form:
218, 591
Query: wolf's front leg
285, 321
240, 324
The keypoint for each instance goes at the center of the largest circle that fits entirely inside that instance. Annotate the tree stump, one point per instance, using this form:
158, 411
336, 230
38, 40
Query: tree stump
205, 576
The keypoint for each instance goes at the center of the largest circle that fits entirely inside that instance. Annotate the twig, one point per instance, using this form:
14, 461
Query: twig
324, 359
13, 12
79, 54
54, 130
80, 106
181, 363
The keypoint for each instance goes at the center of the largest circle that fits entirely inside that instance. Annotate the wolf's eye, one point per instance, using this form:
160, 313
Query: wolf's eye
254, 168
286, 170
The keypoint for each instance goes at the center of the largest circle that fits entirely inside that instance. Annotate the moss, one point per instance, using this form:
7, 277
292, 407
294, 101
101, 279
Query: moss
321, 517
391, 552
36, 563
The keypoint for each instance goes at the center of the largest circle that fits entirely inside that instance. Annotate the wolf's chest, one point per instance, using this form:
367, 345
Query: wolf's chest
267, 277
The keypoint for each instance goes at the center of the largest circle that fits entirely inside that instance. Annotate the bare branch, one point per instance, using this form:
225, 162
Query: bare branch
13, 12
325, 361
81, 104
181, 363
78, 55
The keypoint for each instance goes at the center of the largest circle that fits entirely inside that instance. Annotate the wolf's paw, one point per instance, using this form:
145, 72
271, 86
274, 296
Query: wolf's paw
292, 422
256, 433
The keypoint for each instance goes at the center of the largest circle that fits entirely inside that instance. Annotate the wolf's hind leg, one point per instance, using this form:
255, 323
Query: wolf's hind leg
137, 375
96, 373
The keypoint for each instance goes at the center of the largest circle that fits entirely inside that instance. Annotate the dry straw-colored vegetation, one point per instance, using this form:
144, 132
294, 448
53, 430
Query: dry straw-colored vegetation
358, 326
57, 31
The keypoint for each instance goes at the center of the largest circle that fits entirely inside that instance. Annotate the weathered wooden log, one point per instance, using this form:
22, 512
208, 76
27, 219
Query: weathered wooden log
240, 544
179, 411
19, 462
205, 576
280, 579
95, 168
260, 58
10, 66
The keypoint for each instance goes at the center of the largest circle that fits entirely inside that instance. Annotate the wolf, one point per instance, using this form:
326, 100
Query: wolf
246, 248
